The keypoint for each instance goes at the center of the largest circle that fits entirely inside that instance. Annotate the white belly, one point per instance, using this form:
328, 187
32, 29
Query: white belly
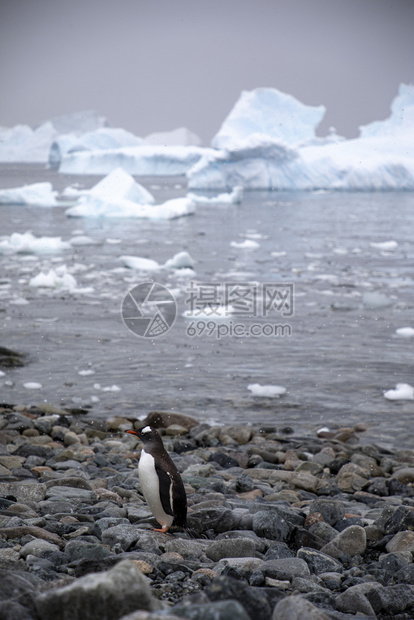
149, 482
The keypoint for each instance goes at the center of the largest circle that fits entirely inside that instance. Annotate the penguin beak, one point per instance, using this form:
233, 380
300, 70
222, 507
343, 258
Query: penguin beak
131, 432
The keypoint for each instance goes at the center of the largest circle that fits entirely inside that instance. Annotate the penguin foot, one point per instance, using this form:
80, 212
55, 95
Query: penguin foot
163, 530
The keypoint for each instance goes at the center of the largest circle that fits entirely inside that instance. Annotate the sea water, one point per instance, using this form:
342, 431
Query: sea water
325, 302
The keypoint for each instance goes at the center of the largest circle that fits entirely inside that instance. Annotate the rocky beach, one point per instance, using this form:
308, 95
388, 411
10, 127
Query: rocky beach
281, 525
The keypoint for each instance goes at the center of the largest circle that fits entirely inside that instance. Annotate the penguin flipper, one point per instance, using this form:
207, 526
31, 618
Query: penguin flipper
165, 486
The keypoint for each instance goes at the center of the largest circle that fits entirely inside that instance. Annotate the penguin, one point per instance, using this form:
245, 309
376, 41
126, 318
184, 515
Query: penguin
160, 481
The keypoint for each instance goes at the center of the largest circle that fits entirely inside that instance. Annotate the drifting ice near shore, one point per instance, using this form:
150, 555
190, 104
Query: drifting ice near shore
403, 391
267, 391
27, 243
100, 207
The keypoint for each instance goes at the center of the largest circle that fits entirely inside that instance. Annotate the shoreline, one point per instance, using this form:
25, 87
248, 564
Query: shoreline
297, 524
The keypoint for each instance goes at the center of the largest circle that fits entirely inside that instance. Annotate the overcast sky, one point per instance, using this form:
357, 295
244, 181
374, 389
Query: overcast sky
154, 65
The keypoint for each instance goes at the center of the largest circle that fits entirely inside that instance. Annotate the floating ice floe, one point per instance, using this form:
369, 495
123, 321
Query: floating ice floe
86, 373
142, 160
268, 391
382, 158
27, 243
37, 194
375, 300
99, 207
181, 260
247, 244
234, 197
118, 184
32, 385
405, 332
139, 263
58, 278
79, 240
385, 245
403, 391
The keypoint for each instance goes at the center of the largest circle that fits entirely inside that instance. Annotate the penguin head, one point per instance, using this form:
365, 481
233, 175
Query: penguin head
147, 435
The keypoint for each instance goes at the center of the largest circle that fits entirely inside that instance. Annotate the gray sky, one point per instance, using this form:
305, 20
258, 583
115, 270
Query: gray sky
154, 65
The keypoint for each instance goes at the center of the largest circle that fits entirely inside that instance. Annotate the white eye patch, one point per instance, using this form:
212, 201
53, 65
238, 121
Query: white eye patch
147, 429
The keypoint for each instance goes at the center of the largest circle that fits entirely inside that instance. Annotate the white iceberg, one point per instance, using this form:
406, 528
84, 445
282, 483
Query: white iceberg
139, 263
24, 144
181, 260
36, 194
143, 160
177, 137
382, 158
267, 391
271, 113
403, 391
27, 243
117, 184
59, 279
233, 197
405, 332
94, 206
104, 138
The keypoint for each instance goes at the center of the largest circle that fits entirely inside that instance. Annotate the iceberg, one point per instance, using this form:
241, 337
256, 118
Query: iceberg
104, 138
140, 263
177, 137
181, 260
26, 145
59, 279
38, 194
142, 160
95, 206
117, 184
271, 113
27, 243
382, 158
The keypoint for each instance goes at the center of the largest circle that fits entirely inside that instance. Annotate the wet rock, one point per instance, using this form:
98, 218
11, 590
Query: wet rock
285, 568
319, 562
37, 547
352, 540
220, 610
111, 594
403, 541
401, 519
219, 519
331, 510
297, 608
123, 535
252, 599
271, 524
163, 419
233, 548
391, 599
